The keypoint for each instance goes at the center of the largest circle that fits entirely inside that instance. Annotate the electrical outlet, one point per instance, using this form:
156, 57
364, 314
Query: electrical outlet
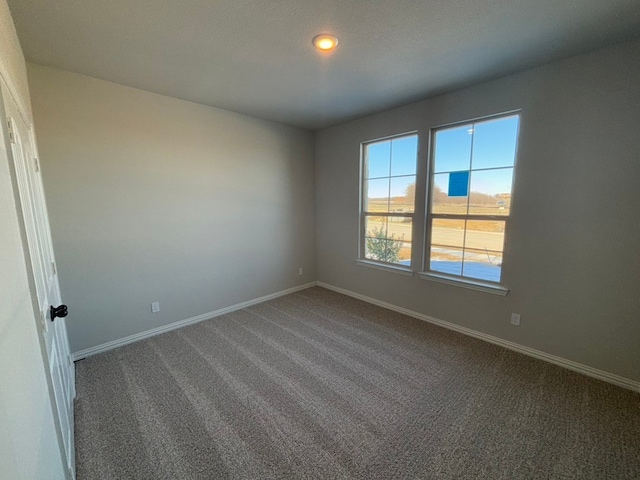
515, 319
300, 271
155, 307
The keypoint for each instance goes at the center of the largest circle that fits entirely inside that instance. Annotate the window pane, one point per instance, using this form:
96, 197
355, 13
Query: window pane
389, 181
494, 143
375, 248
388, 239
482, 264
400, 228
441, 201
472, 175
446, 260
447, 232
384, 250
377, 195
375, 226
491, 192
378, 159
404, 155
399, 252
452, 150
403, 194
484, 235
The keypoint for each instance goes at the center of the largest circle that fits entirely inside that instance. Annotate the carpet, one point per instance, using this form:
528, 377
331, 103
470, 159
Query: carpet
320, 385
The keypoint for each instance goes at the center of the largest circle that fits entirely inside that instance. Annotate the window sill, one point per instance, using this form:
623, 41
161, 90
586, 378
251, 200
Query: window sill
465, 283
389, 268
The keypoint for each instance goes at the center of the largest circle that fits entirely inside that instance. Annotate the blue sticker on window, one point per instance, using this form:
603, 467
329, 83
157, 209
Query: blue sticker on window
459, 184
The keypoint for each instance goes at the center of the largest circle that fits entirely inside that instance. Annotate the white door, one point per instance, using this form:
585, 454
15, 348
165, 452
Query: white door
45, 278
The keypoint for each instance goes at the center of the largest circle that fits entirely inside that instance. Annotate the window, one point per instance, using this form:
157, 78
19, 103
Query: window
471, 179
388, 200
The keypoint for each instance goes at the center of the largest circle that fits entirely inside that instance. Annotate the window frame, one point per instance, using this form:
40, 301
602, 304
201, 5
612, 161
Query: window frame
362, 259
426, 273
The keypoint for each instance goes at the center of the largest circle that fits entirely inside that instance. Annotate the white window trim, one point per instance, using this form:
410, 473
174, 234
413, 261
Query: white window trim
389, 267
368, 262
465, 282
455, 280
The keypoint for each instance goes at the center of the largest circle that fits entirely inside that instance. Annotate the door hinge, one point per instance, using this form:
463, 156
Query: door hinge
12, 136
54, 268
36, 164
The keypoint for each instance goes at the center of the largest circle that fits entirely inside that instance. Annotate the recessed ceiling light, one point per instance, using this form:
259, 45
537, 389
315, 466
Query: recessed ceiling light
325, 42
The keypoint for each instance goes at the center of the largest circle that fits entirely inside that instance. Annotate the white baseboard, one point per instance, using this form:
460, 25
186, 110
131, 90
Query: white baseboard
87, 352
562, 362
531, 352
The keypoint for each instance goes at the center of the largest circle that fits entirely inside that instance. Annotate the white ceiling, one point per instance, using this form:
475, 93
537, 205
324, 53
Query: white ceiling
256, 57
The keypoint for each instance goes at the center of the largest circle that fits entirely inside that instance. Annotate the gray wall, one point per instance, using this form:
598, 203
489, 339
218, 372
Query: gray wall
573, 256
157, 199
28, 441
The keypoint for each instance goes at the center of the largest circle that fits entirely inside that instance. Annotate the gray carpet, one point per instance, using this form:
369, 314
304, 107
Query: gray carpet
320, 385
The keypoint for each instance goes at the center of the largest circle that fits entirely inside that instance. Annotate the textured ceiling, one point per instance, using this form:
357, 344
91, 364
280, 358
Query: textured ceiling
256, 57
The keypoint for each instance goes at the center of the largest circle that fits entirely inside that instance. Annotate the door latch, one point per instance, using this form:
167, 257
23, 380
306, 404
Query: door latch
60, 311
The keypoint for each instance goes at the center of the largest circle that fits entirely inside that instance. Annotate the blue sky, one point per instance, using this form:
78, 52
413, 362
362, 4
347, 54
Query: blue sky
494, 145
393, 157
487, 144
